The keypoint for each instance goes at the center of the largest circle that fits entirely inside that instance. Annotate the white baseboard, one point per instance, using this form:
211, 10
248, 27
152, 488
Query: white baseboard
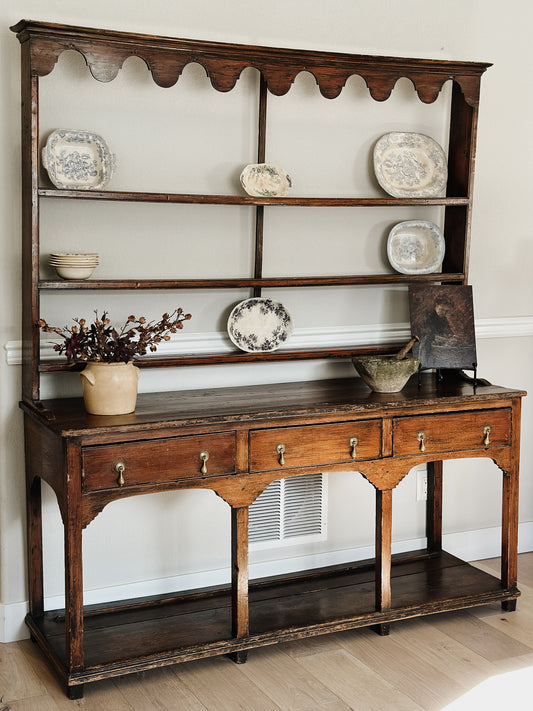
12, 627
468, 545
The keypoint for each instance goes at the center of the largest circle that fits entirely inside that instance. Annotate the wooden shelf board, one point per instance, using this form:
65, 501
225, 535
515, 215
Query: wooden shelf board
198, 624
191, 198
155, 361
248, 282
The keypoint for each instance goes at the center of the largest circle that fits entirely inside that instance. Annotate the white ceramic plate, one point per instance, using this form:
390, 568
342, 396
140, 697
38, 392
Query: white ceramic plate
416, 247
77, 160
265, 180
259, 325
410, 165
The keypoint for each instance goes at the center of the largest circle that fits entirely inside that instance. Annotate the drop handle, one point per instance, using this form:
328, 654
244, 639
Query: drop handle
120, 469
421, 437
204, 456
353, 444
280, 449
486, 432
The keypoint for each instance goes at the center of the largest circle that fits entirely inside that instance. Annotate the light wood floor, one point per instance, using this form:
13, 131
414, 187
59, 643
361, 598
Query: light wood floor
475, 659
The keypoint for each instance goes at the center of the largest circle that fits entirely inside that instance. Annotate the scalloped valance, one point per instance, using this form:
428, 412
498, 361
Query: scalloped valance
105, 52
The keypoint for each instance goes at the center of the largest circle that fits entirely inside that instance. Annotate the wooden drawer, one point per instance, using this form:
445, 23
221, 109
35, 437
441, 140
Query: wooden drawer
159, 460
451, 432
314, 445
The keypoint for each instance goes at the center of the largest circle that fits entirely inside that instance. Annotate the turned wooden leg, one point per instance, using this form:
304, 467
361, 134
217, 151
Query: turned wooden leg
383, 554
434, 507
239, 577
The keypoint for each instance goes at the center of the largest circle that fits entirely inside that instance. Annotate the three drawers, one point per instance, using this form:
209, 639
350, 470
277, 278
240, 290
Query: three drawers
314, 445
158, 461
214, 454
451, 432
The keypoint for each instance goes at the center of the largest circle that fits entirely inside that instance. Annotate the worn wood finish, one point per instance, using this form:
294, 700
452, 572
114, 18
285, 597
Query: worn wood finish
383, 549
310, 604
239, 577
316, 421
256, 283
105, 52
226, 440
159, 461
434, 506
452, 432
288, 201
30, 227
314, 446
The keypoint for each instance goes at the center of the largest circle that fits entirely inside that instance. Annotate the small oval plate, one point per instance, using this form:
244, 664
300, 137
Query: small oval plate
265, 180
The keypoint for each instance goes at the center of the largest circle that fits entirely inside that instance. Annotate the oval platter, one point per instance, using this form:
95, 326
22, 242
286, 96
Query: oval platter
265, 180
410, 165
77, 160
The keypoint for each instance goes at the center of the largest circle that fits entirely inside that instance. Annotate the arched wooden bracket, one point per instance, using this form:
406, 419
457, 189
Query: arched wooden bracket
384, 476
106, 51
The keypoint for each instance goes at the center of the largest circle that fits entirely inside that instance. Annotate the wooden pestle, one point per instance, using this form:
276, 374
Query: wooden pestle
403, 352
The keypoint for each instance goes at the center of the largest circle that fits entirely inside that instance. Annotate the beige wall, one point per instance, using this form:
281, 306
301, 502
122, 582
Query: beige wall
155, 151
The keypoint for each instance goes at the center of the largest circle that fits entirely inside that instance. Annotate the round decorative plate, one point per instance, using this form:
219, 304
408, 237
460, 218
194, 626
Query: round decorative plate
416, 247
77, 160
265, 180
410, 165
259, 325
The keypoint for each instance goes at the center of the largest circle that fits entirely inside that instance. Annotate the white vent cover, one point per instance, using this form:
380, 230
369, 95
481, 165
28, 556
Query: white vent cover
289, 511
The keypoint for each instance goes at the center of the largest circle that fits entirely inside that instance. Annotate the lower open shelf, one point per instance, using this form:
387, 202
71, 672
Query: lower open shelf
197, 624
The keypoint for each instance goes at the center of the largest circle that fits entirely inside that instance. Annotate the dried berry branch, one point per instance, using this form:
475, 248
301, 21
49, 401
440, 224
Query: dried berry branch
100, 341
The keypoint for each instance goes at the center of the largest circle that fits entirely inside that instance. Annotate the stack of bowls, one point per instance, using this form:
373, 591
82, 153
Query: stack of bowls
70, 265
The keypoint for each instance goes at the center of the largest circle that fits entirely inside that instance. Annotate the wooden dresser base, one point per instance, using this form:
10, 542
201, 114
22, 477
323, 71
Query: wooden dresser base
242, 429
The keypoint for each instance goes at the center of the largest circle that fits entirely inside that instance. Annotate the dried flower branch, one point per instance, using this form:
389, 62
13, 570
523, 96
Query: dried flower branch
100, 341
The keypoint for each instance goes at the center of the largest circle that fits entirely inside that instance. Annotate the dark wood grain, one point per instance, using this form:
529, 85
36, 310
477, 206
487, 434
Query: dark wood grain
193, 198
105, 52
434, 506
336, 398
306, 606
245, 282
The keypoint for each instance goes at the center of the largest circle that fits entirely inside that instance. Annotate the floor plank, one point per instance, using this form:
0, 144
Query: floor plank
158, 689
474, 634
357, 685
221, 685
288, 684
18, 679
401, 666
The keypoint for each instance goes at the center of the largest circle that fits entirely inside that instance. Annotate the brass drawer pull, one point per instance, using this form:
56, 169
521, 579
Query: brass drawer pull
486, 432
280, 449
204, 456
120, 469
353, 444
421, 436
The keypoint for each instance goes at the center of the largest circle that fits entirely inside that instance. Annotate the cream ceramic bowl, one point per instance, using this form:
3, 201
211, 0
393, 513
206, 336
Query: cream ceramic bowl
74, 272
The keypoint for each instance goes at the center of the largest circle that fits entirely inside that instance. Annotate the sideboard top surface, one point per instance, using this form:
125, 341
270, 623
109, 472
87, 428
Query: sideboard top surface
256, 402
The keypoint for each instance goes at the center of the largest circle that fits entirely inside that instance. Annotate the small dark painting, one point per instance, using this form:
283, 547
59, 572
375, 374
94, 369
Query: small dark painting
443, 319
